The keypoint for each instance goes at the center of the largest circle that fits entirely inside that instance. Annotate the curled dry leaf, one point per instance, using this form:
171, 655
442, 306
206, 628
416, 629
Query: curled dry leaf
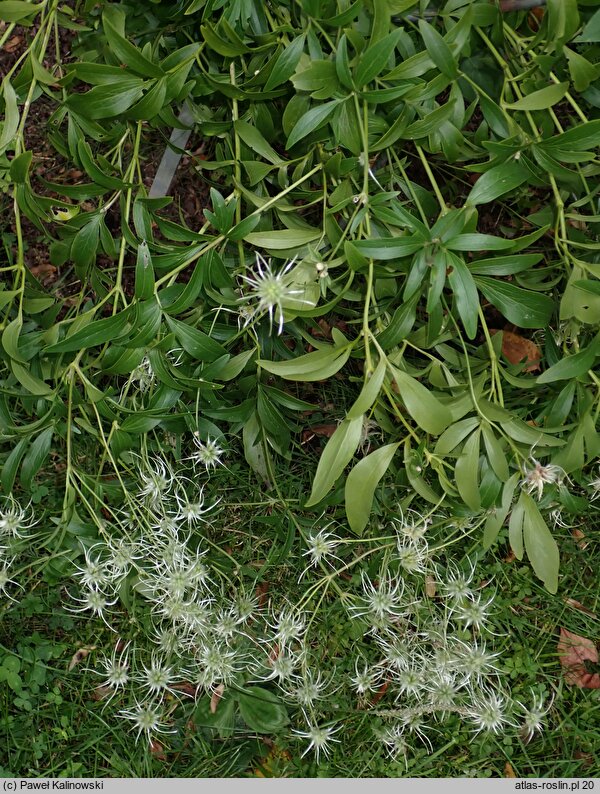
572, 602
80, 655
516, 348
574, 651
430, 586
157, 750
508, 770
216, 697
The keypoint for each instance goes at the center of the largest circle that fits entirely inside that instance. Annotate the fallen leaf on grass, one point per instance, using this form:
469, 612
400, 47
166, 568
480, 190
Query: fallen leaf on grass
508, 770
515, 348
216, 697
79, 656
574, 651
157, 750
572, 602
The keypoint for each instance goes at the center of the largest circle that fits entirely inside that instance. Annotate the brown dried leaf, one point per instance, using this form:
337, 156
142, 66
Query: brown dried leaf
580, 538
574, 651
216, 697
44, 272
101, 692
515, 348
157, 750
578, 605
430, 586
508, 770
79, 656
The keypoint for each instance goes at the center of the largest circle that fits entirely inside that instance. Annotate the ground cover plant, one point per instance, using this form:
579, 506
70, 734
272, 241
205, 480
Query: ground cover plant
300, 461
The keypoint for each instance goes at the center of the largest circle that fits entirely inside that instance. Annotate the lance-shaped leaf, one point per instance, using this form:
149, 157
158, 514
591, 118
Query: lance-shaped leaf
319, 365
335, 457
540, 545
361, 484
427, 411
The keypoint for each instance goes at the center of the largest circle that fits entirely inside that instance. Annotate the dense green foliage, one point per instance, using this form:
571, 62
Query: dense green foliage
394, 193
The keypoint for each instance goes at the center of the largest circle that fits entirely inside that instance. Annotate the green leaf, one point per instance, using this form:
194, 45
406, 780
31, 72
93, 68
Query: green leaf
522, 307
35, 457
125, 51
254, 449
19, 10
590, 32
438, 50
10, 339
579, 138
497, 515
286, 63
581, 70
262, 710
29, 381
573, 366
144, 273
361, 484
369, 392
540, 545
283, 239
496, 182
319, 365
106, 101
99, 176
478, 242
255, 140
466, 472
311, 121
495, 454
427, 411
375, 58
384, 248
515, 528
542, 99
11, 116
465, 293
11, 464
19, 167
85, 243
196, 343
338, 452
98, 332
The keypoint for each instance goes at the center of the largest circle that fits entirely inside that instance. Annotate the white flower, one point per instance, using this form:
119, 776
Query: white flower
269, 290
156, 480
320, 544
288, 626
319, 738
122, 558
144, 375
472, 612
488, 713
533, 720
383, 600
96, 602
394, 740
146, 719
539, 475
5, 579
311, 688
474, 661
191, 511
116, 668
95, 573
158, 677
457, 585
14, 519
208, 453
218, 664
595, 486
366, 680
412, 555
